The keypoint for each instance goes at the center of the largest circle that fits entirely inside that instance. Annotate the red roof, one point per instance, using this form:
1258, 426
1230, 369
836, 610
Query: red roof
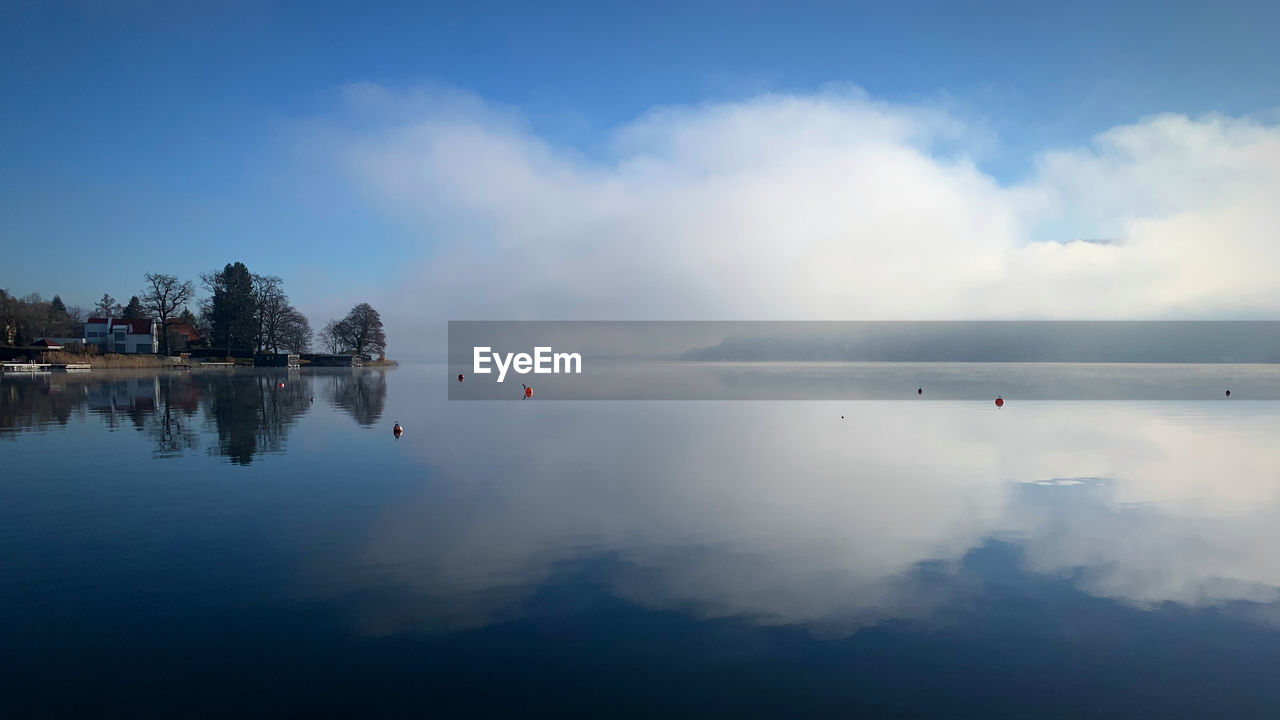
185, 330
45, 342
136, 327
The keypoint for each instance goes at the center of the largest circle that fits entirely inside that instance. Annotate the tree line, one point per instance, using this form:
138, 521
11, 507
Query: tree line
24, 320
240, 311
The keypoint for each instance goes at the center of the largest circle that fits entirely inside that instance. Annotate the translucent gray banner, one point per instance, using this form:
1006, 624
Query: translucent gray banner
979, 360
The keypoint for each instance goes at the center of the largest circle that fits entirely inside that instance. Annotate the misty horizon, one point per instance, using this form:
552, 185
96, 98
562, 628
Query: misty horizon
404, 406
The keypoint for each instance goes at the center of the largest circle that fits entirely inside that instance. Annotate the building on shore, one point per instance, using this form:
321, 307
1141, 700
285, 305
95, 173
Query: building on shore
276, 360
183, 336
117, 335
58, 343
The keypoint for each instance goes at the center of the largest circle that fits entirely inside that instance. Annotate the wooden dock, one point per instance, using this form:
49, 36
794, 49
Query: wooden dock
43, 367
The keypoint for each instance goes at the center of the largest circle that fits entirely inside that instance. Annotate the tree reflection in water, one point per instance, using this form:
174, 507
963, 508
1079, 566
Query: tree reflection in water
32, 403
252, 414
172, 427
361, 393
245, 413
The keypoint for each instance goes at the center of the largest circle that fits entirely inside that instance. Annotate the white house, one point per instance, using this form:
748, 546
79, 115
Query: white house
123, 336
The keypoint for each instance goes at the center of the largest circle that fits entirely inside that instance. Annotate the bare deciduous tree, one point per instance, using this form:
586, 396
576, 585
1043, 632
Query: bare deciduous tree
295, 332
359, 332
163, 295
272, 311
333, 336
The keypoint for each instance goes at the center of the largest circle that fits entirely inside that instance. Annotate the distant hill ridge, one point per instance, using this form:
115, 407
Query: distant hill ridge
995, 341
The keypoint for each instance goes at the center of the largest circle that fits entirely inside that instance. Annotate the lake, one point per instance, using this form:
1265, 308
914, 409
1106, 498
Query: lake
240, 543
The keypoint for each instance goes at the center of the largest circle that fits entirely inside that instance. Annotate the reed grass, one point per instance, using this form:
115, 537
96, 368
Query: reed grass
107, 361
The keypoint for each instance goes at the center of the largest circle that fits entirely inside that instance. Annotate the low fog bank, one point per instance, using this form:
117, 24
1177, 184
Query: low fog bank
1098, 342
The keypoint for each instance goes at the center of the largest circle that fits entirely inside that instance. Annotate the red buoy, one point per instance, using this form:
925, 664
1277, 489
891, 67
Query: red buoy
999, 402
459, 377
397, 430
281, 384
528, 391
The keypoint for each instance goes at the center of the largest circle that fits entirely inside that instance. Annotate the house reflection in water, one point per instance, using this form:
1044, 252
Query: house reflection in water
118, 398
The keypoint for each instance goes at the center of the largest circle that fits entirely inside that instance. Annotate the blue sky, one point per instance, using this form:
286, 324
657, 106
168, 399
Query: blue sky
164, 136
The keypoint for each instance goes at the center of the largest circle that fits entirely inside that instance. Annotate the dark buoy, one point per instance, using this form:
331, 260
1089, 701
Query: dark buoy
1228, 393
841, 417
919, 391
459, 377
313, 399
397, 430
999, 401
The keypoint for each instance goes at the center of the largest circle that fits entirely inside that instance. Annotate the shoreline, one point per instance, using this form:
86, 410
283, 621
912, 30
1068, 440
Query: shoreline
161, 362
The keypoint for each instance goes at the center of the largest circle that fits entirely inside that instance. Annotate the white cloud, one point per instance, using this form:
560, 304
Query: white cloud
727, 517
823, 206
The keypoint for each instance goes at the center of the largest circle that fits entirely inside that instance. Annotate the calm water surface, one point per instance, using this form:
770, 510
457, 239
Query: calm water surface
218, 544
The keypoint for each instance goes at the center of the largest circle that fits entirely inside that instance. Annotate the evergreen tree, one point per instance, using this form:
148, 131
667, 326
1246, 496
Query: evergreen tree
107, 307
134, 310
60, 321
231, 311
8, 318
